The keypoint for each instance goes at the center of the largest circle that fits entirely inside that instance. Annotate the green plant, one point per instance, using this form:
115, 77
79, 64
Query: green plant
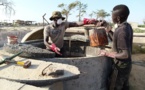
66, 9
138, 31
82, 9
101, 14
141, 25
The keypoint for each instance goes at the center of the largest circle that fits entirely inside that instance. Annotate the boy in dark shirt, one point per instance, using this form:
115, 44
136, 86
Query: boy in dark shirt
122, 48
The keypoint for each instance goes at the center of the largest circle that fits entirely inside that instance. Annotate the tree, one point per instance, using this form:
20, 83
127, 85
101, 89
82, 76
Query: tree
8, 6
144, 21
82, 9
101, 14
91, 14
66, 9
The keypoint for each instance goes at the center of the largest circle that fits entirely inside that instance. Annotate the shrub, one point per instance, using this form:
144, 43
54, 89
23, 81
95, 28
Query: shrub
141, 25
138, 31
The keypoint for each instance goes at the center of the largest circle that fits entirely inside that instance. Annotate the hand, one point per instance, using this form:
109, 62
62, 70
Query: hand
108, 54
89, 21
55, 49
102, 53
111, 54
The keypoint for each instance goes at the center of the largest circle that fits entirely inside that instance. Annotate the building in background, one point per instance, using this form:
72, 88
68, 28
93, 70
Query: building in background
22, 22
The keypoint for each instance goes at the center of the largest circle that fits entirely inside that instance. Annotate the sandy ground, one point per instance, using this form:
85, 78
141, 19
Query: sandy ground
137, 77
11, 85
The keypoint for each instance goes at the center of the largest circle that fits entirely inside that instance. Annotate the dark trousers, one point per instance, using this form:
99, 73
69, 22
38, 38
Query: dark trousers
120, 78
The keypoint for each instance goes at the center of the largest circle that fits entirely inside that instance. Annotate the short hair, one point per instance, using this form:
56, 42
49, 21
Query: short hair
123, 11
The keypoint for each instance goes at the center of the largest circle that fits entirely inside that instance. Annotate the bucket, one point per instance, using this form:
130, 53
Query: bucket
12, 39
98, 37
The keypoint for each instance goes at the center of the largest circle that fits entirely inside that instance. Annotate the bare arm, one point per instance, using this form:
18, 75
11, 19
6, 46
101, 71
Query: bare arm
122, 45
46, 37
122, 55
75, 24
84, 22
110, 35
109, 31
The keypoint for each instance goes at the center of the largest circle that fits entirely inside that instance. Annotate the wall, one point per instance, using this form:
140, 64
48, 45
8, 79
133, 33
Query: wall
4, 34
94, 72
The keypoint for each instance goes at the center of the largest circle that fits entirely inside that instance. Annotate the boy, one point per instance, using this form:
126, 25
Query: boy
122, 48
54, 33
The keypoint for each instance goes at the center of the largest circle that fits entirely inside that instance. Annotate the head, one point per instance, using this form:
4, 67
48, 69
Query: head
57, 17
120, 14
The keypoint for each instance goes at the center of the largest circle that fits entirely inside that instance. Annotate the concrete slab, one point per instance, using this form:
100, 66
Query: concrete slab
11, 85
33, 74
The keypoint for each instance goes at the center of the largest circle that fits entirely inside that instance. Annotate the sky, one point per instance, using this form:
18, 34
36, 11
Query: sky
35, 9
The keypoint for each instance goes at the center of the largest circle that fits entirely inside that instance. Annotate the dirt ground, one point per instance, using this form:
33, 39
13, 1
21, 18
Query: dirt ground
137, 77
